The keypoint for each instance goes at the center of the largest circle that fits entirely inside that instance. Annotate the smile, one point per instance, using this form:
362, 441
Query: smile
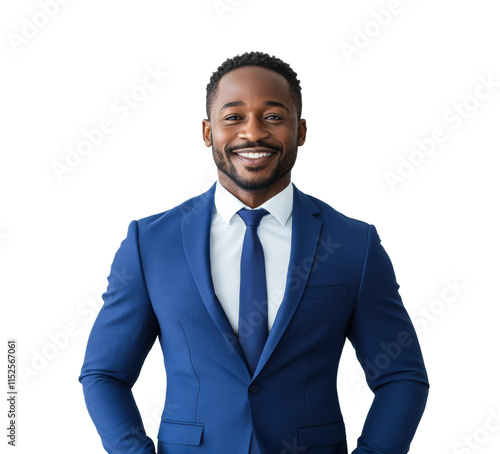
254, 155
258, 157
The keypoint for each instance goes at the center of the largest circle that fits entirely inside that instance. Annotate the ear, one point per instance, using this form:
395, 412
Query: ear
301, 132
206, 132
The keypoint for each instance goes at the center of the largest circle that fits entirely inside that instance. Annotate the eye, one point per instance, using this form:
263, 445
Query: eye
276, 117
232, 117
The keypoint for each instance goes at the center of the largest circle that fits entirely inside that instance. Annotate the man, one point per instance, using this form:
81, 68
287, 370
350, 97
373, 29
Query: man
252, 289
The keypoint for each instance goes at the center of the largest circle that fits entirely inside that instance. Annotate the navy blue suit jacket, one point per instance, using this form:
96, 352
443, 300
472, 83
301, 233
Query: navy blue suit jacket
340, 285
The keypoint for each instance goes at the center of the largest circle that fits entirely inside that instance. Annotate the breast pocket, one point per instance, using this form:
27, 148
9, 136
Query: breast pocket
326, 292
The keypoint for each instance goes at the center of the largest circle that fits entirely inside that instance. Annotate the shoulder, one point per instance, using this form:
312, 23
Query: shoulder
334, 218
173, 217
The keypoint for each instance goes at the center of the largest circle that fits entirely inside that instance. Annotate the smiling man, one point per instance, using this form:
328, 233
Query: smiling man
254, 127
252, 289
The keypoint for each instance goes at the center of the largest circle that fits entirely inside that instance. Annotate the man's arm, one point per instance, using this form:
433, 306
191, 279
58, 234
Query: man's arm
122, 336
388, 350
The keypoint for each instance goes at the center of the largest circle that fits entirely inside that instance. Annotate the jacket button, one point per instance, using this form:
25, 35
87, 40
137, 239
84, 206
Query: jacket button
254, 388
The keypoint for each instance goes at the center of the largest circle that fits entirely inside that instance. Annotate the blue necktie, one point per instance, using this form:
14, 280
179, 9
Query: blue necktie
252, 322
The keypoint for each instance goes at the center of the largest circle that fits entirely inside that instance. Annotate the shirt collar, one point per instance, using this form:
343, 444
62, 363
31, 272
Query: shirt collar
280, 206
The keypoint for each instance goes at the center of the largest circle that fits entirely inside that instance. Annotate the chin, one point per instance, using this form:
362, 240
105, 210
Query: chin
253, 185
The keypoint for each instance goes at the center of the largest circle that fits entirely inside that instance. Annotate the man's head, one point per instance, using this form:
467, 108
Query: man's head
254, 127
255, 59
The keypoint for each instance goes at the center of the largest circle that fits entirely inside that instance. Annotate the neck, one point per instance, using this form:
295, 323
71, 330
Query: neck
254, 199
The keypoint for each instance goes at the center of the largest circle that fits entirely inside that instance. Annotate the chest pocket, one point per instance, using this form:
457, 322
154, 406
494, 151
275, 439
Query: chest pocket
325, 292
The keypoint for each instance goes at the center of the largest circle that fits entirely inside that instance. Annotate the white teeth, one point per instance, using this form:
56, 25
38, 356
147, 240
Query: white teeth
254, 155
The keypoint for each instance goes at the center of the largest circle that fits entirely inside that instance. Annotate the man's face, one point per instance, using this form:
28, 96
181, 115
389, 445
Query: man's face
253, 129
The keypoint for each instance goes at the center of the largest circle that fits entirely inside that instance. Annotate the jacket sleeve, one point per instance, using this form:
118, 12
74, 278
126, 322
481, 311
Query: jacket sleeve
122, 336
387, 348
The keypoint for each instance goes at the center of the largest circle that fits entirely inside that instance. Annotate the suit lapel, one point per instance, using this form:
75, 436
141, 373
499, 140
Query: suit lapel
305, 236
196, 223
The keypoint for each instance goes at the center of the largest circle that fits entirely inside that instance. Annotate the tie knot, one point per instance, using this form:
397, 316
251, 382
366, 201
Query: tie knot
252, 217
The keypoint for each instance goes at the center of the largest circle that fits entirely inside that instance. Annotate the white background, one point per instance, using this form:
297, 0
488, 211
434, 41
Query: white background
365, 111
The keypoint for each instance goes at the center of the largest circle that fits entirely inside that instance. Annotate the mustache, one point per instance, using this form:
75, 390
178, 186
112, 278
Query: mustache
260, 143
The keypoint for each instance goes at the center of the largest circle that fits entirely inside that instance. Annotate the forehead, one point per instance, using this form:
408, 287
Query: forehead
252, 84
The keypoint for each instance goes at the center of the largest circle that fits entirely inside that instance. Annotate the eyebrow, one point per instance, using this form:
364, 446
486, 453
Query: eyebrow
266, 103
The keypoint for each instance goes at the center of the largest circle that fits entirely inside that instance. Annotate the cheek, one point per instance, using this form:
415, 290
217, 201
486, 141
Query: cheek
287, 138
224, 131
220, 140
290, 145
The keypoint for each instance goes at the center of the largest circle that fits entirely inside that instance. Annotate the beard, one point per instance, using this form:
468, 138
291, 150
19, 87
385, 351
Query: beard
223, 161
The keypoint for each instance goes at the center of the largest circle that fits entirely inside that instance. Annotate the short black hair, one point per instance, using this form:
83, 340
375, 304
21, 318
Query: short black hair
255, 59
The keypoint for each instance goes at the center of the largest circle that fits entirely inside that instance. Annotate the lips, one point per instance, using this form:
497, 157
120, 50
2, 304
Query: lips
254, 156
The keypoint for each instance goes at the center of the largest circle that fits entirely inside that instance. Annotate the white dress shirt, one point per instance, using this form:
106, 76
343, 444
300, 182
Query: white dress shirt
226, 243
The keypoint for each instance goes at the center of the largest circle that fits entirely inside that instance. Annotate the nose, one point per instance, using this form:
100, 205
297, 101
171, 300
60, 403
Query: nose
253, 129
